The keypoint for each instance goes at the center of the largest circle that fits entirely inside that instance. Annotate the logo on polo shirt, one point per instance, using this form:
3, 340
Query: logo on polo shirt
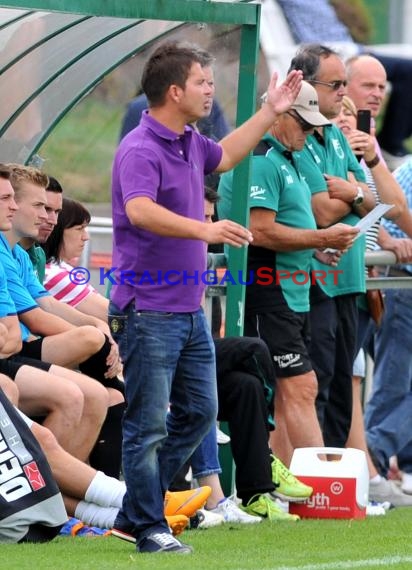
338, 149
287, 174
288, 360
257, 192
313, 152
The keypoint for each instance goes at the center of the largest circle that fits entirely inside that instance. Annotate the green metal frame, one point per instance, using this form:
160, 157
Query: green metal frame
235, 300
241, 13
181, 10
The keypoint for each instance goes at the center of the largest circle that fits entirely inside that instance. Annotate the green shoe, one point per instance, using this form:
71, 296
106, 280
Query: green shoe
288, 487
265, 506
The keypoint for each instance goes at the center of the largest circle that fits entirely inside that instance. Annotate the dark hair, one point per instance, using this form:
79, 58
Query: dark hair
54, 186
170, 64
4, 171
73, 214
308, 59
211, 195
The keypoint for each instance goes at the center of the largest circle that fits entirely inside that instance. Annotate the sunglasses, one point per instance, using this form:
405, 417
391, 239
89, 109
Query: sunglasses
304, 125
334, 85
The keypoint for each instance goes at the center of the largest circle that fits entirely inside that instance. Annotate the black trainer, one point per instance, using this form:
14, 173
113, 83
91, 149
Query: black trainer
163, 542
196, 520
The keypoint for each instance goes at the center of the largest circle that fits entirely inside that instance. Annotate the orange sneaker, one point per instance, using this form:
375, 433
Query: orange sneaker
177, 523
186, 502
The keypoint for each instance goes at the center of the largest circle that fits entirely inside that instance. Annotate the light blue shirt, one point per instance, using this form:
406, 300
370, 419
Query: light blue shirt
403, 175
22, 283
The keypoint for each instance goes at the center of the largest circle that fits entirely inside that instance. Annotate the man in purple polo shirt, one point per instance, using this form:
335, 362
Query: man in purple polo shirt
160, 256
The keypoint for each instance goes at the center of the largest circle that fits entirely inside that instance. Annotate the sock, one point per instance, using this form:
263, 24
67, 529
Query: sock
375, 480
105, 491
216, 506
106, 455
94, 515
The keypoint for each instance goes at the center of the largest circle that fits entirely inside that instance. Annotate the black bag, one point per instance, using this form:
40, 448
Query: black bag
31, 506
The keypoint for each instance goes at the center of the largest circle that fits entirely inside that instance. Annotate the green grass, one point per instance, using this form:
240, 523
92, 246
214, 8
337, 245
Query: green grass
79, 152
383, 542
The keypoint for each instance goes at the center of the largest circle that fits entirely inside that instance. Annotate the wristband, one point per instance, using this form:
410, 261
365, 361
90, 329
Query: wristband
371, 163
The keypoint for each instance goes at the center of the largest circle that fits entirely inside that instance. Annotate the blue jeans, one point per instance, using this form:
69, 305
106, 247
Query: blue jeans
205, 459
388, 414
168, 358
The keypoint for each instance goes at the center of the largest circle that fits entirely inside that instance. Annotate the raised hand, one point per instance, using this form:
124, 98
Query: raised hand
280, 98
361, 142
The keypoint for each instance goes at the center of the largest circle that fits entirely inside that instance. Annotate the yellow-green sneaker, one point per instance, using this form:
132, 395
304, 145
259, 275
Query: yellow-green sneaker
288, 487
265, 506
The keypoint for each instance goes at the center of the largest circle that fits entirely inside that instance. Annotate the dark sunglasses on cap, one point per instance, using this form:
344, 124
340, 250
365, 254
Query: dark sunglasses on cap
334, 85
304, 125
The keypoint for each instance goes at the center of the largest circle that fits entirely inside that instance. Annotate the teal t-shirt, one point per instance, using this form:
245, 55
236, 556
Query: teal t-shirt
38, 259
334, 156
279, 278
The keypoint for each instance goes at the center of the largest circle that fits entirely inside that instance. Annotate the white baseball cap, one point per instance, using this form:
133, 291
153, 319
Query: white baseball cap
307, 107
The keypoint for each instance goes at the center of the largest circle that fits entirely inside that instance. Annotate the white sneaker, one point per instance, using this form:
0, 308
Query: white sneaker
407, 483
206, 519
387, 490
231, 513
374, 509
221, 436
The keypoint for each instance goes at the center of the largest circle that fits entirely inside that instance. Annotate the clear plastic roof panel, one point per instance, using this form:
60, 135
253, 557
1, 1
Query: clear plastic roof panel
50, 59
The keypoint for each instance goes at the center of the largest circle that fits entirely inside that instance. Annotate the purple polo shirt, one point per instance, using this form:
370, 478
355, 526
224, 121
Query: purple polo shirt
160, 273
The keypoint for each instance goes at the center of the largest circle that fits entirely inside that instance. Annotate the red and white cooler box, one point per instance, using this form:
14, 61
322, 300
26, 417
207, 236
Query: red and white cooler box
340, 486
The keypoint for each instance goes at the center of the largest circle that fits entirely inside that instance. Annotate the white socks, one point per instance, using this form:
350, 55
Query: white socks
102, 501
105, 491
375, 480
94, 515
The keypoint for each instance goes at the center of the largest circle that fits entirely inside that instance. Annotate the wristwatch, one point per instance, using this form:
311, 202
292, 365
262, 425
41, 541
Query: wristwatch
359, 196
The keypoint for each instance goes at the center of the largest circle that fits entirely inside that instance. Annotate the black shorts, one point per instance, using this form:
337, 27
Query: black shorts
287, 334
32, 349
10, 366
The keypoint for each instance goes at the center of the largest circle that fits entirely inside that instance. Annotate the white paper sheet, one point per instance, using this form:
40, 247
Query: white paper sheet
367, 221
371, 217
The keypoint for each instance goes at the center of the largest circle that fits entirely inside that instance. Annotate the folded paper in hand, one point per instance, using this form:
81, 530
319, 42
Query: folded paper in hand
367, 221
371, 217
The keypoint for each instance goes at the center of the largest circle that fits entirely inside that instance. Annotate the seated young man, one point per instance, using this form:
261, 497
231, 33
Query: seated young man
33, 301
47, 399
